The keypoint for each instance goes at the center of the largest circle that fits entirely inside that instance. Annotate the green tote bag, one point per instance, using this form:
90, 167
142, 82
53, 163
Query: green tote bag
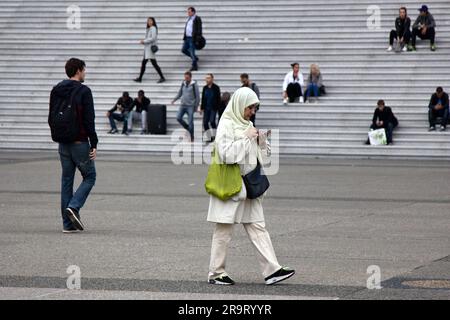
223, 180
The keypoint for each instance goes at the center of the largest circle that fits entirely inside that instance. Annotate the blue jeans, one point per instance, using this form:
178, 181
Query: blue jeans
190, 111
209, 119
119, 117
314, 88
73, 156
189, 50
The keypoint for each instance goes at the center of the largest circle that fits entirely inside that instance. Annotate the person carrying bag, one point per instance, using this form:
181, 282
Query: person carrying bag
236, 146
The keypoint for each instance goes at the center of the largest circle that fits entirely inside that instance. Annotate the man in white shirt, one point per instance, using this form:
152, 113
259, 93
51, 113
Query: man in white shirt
192, 30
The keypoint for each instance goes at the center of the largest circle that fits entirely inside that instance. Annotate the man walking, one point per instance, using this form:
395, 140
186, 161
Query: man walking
72, 123
192, 31
210, 104
190, 99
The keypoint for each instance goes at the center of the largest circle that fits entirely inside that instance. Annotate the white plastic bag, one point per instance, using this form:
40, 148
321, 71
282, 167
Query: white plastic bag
377, 137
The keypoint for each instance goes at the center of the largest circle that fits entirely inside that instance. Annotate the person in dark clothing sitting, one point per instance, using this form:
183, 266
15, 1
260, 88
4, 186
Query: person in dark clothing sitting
424, 28
141, 103
401, 32
210, 104
124, 105
438, 107
383, 117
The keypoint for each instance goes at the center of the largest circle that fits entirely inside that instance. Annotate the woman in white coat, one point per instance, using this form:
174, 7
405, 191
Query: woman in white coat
236, 142
151, 39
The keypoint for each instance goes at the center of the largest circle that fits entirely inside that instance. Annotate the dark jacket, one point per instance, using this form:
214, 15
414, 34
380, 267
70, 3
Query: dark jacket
427, 21
216, 92
254, 87
85, 108
402, 26
434, 100
141, 106
386, 116
127, 105
197, 28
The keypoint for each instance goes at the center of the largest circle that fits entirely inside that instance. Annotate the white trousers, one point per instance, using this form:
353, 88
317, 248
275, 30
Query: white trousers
260, 239
137, 116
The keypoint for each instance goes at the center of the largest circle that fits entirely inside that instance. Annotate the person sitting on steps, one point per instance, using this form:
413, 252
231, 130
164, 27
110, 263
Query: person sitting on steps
402, 32
424, 29
438, 107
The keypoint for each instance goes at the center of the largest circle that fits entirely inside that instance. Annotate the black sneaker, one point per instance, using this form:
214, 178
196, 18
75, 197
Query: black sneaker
138, 80
194, 68
222, 280
161, 80
442, 128
280, 275
75, 218
113, 131
71, 230
432, 128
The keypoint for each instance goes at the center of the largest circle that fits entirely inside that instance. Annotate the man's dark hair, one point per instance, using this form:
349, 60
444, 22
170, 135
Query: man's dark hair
141, 93
294, 64
404, 8
244, 76
125, 95
188, 73
439, 89
380, 103
192, 9
210, 74
73, 65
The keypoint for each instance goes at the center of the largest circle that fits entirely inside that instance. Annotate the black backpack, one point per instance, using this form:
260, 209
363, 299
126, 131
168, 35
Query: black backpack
63, 119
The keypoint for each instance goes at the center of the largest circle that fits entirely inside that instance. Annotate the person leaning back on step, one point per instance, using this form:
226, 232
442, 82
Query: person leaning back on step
74, 129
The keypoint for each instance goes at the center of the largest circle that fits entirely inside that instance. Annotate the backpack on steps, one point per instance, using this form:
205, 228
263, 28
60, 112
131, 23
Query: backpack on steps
63, 119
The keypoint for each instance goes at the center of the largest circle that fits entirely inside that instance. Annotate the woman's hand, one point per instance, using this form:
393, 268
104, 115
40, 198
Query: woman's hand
251, 133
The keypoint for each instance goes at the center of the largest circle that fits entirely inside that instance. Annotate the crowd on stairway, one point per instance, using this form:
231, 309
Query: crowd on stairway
210, 102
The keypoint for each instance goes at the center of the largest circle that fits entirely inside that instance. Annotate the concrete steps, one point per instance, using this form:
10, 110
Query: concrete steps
35, 43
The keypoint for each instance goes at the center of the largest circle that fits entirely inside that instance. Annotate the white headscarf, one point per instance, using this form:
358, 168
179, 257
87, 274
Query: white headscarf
241, 99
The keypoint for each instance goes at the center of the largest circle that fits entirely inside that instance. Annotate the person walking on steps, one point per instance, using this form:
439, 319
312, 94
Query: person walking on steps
150, 48
190, 100
237, 143
192, 31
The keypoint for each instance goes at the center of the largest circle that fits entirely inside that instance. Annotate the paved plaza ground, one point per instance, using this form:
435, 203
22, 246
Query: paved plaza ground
147, 235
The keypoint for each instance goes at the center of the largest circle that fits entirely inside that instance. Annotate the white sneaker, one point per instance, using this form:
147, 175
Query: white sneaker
389, 49
301, 100
405, 48
285, 101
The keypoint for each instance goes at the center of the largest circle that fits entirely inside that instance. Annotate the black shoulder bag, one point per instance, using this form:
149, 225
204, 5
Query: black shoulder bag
256, 183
